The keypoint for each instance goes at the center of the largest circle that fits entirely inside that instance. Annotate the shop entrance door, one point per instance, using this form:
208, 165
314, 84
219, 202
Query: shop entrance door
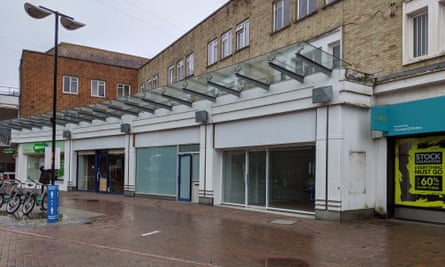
101, 172
185, 177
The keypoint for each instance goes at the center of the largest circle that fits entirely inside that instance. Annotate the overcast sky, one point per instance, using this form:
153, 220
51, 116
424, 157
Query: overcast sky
135, 27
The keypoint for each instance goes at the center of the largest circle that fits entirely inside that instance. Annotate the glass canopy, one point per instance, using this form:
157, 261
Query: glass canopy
292, 62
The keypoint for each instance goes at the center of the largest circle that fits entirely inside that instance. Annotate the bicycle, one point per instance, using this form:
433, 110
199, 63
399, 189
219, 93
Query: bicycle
36, 196
25, 192
8, 186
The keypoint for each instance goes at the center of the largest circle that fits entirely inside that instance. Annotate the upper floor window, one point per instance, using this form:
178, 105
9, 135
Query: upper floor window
212, 52
281, 14
97, 88
327, 2
155, 81
242, 35
423, 34
171, 75
123, 89
306, 7
180, 70
70, 85
190, 61
226, 44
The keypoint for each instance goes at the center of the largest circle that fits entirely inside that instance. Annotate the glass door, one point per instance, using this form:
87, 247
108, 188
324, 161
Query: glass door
184, 177
101, 172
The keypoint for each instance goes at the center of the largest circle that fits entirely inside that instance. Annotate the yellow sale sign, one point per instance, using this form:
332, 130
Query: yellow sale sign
419, 172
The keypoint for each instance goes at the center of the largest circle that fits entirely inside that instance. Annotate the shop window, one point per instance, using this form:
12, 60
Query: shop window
423, 35
70, 85
123, 89
97, 88
306, 7
212, 52
242, 35
419, 172
289, 183
156, 170
281, 14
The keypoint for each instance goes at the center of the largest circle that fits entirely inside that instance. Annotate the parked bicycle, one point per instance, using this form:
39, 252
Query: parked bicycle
8, 186
29, 194
37, 196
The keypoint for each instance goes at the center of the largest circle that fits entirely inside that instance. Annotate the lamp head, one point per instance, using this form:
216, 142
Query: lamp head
35, 11
70, 24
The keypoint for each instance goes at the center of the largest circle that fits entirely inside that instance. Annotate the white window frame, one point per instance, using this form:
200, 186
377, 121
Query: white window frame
190, 62
306, 7
149, 84
155, 81
226, 44
435, 35
281, 14
123, 89
180, 70
327, 2
242, 35
141, 87
326, 43
212, 52
96, 88
73, 85
171, 74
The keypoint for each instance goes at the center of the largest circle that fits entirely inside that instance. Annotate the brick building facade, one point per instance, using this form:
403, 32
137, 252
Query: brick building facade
78, 66
371, 36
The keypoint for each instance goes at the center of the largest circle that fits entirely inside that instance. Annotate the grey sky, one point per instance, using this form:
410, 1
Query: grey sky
136, 27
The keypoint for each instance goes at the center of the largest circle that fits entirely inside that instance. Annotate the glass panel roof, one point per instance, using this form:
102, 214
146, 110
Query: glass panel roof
291, 62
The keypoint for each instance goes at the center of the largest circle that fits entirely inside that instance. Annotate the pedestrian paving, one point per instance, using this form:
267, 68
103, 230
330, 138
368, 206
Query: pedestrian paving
114, 230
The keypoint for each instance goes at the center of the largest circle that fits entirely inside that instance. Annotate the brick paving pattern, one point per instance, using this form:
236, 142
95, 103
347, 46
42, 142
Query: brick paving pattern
113, 230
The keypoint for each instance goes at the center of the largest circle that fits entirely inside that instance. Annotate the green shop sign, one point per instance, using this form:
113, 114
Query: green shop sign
9, 151
39, 147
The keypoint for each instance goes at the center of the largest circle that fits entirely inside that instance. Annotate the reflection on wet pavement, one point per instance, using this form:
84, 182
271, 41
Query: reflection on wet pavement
142, 231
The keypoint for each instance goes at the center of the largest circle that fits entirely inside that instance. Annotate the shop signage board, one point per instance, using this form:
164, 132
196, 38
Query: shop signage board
9, 151
39, 147
415, 117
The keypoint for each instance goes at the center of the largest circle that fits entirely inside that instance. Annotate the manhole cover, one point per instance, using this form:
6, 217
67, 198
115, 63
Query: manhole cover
284, 262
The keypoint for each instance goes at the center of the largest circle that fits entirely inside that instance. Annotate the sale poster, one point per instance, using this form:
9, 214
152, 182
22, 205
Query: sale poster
419, 172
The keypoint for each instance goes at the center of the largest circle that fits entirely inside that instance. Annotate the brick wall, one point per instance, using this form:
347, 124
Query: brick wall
372, 39
37, 82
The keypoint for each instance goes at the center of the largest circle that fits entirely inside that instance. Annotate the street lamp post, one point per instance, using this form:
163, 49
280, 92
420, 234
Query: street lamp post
68, 23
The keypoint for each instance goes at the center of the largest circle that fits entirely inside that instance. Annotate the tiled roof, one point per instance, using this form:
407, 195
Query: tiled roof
99, 56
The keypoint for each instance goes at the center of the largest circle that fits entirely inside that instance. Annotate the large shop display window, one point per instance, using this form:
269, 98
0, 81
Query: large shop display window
101, 172
419, 172
156, 170
275, 178
168, 170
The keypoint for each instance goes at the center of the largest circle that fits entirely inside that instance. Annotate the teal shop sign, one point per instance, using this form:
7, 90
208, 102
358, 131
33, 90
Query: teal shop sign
420, 116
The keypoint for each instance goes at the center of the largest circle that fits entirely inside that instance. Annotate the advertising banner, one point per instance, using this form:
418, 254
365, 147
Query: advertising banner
419, 172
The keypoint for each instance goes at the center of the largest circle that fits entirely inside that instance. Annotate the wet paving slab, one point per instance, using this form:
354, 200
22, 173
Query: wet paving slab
113, 230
